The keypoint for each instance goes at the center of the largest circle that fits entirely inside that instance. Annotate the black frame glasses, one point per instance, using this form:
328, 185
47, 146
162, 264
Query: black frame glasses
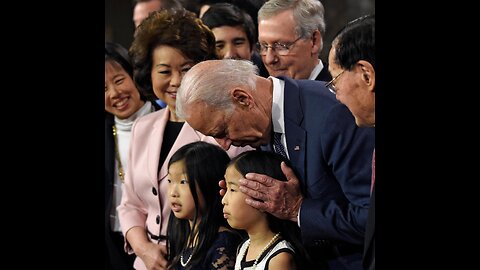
331, 86
277, 47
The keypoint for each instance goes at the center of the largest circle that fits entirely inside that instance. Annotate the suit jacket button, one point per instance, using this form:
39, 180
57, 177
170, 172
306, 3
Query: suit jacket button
158, 219
154, 191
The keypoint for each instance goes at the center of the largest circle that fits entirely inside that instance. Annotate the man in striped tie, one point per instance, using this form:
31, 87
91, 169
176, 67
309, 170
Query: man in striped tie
328, 191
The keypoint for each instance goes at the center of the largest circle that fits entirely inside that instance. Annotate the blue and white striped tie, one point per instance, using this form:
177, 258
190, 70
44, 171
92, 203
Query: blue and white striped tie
277, 144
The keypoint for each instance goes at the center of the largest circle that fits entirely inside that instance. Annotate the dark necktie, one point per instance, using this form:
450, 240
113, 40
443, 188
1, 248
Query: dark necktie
277, 144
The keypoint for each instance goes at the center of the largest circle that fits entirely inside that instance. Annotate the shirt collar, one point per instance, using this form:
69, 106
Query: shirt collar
278, 105
318, 68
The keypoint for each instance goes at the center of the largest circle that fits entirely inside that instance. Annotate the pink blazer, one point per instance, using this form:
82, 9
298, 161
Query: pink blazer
144, 200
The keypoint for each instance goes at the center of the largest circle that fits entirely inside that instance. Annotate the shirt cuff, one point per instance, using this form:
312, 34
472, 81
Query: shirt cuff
298, 216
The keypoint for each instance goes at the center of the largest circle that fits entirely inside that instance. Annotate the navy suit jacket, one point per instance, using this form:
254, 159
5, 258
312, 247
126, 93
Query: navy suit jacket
330, 155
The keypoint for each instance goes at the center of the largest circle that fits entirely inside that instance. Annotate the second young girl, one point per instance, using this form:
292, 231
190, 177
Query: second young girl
273, 243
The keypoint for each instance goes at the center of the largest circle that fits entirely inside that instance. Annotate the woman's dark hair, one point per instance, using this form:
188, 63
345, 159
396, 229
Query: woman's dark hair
355, 41
268, 163
116, 52
205, 166
180, 29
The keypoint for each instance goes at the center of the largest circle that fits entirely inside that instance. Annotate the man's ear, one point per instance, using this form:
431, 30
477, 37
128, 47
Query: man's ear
368, 74
241, 97
317, 42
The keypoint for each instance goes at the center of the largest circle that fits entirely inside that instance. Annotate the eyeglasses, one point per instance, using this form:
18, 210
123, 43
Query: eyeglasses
331, 86
280, 48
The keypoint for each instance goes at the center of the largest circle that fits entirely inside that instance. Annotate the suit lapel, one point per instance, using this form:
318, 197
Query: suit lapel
294, 132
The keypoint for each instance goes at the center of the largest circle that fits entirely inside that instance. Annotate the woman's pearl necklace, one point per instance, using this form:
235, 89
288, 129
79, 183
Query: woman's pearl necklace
263, 250
189, 258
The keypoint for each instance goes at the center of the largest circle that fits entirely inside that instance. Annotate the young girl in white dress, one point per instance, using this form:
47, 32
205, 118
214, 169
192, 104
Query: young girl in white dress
273, 243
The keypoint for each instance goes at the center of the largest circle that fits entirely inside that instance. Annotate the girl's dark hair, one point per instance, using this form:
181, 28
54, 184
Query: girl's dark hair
205, 165
118, 54
268, 163
180, 29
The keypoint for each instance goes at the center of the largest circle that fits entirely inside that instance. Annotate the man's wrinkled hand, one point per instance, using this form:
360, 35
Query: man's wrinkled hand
281, 199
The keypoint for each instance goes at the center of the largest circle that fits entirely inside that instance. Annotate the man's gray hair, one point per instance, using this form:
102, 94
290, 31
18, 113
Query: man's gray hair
211, 81
308, 14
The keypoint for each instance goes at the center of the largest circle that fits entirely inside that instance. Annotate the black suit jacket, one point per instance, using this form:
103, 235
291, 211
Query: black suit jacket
324, 75
115, 258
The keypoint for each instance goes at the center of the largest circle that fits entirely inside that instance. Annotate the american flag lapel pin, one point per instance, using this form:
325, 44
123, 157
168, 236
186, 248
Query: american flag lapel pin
296, 148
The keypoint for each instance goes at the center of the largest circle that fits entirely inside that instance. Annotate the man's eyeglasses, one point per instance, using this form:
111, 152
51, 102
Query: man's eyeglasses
280, 48
331, 86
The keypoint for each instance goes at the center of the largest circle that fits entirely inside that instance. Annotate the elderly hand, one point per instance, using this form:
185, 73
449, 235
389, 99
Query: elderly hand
281, 199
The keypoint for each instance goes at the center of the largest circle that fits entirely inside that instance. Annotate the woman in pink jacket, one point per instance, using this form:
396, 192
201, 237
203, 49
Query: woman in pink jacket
166, 45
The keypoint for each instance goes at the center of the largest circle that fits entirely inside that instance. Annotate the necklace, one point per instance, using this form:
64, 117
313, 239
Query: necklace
275, 237
189, 258
117, 154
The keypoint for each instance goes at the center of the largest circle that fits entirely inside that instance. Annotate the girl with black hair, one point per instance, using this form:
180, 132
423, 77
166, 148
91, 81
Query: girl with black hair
198, 235
273, 243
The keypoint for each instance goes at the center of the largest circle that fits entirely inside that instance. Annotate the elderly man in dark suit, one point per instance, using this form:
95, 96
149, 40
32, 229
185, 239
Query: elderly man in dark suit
352, 56
226, 99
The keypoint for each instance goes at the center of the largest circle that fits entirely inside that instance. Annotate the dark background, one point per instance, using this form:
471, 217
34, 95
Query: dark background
119, 26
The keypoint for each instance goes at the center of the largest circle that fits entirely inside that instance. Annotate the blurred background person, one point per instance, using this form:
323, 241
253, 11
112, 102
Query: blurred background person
119, 27
142, 8
251, 7
234, 33
123, 105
